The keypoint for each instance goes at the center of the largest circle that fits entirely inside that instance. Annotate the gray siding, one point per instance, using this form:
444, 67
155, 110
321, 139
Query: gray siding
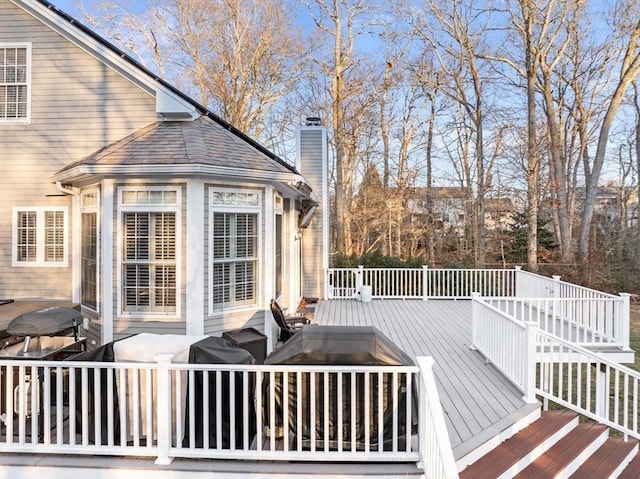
311, 156
78, 106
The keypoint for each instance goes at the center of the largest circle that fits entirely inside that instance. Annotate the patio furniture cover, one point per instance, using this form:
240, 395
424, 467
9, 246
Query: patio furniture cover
101, 354
342, 345
214, 350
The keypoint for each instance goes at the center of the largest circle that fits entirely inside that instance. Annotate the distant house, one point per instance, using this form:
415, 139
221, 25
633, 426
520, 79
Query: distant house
123, 194
450, 208
612, 203
498, 213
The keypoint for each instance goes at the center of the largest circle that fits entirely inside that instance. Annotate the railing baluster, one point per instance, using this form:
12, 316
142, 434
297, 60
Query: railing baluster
246, 419
353, 411
340, 412
312, 409
272, 411
298, 395
325, 411
367, 412
285, 409
380, 417
59, 405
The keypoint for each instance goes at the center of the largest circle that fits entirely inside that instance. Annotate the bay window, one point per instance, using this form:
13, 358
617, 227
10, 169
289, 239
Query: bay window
233, 252
149, 253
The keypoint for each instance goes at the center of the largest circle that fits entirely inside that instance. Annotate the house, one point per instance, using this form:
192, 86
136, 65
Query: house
451, 207
123, 194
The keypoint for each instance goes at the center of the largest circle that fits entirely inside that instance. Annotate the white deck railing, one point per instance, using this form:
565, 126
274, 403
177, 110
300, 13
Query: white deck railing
166, 410
583, 315
588, 322
542, 364
418, 283
588, 383
505, 342
532, 285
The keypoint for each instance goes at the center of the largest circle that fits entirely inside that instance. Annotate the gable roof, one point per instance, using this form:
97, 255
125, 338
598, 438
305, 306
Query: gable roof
171, 103
176, 147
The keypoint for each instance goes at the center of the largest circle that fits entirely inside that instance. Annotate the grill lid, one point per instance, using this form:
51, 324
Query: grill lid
45, 322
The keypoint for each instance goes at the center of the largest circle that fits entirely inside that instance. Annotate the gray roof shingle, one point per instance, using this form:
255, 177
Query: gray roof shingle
199, 142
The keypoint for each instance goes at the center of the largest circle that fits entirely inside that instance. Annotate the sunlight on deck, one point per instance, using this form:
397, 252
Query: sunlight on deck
477, 400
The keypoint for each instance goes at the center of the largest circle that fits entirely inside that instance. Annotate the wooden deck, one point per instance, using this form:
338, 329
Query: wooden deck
478, 401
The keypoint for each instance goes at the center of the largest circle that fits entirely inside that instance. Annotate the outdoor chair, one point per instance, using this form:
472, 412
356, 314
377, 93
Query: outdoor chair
288, 324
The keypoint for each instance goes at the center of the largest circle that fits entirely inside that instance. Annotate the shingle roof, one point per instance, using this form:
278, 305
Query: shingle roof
127, 59
199, 142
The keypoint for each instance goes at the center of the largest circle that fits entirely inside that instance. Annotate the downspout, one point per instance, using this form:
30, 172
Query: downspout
68, 191
75, 238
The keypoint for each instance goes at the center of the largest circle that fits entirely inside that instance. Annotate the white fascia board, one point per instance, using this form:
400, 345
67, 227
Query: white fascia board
83, 172
165, 98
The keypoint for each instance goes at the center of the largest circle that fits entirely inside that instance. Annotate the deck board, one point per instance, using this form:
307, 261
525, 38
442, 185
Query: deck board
474, 395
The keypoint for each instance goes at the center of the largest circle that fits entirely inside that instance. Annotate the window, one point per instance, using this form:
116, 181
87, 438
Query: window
233, 249
278, 254
278, 245
89, 250
149, 260
39, 236
15, 74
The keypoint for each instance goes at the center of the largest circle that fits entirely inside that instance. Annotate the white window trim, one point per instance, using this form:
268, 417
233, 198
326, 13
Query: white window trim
94, 209
27, 119
40, 237
257, 209
152, 208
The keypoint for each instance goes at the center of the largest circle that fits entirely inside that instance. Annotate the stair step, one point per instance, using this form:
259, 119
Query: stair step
506, 459
609, 460
632, 471
568, 454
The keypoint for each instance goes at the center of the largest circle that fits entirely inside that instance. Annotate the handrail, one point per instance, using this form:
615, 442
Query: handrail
246, 412
543, 364
596, 317
419, 283
588, 383
505, 342
436, 453
537, 286
585, 321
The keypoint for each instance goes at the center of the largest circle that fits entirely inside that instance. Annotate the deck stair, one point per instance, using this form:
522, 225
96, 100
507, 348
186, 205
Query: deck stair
558, 446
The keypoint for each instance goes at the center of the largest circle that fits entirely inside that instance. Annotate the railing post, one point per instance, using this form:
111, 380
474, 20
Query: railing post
163, 419
624, 319
602, 391
431, 425
326, 284
359, 281
555, 292
529, 380
475, 297
425, 282
516, 281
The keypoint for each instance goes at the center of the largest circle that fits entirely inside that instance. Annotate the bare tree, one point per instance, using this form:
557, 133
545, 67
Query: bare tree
351, 98
456, 36
629, 71
240, 58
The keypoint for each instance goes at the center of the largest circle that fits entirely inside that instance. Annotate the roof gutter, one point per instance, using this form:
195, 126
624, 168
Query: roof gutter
68, 191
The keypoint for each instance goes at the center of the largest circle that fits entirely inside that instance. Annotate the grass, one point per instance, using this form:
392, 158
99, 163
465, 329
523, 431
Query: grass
634, 334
